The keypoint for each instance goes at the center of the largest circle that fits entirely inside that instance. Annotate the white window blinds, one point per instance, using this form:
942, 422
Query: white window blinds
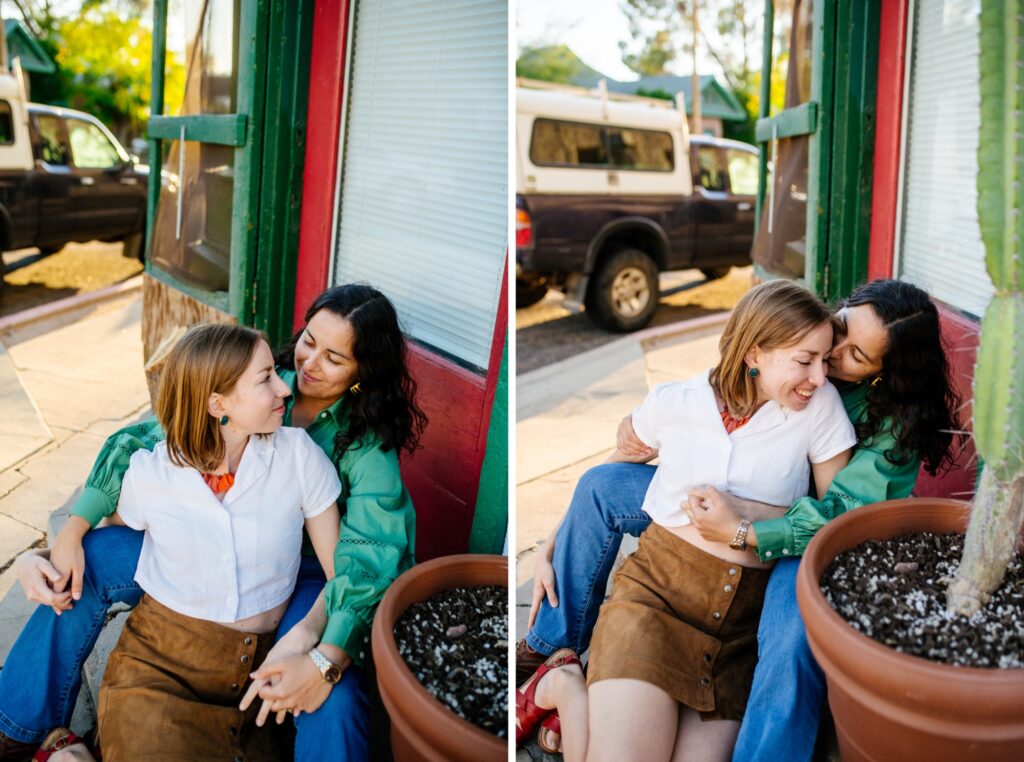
424, 177
940, 241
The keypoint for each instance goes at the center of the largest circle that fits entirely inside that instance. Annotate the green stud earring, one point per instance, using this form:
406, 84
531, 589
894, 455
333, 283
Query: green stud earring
753, 372
223, 420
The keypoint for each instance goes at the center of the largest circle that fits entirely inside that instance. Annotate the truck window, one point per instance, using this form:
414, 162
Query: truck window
6, 124
90, 148
568, 144
52, 149
712, 171
644, 150
742, 172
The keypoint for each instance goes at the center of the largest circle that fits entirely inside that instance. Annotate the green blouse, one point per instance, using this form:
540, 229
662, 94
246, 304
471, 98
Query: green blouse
868, 478
378, 523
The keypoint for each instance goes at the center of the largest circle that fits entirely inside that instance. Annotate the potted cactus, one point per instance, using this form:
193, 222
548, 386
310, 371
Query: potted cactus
890, 705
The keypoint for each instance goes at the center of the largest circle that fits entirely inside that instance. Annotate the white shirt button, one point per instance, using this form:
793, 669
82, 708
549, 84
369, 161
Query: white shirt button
362, 654
785, 551
767, 554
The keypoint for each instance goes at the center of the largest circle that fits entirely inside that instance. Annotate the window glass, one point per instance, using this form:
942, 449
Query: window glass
742, 172
90, 148
712, 173
568, 144
780, 244
791, 54
6, 124
203, 41
52, 148
640, 149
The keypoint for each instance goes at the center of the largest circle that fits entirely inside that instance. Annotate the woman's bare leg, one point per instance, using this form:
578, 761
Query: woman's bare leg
710, 741
565, 689
631, 719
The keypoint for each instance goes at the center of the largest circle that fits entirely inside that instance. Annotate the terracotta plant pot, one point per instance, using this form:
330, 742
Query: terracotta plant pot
422, 728
889, 705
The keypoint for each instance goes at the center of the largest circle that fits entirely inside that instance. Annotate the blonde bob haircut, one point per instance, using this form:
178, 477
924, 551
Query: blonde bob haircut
775, 314
208, 359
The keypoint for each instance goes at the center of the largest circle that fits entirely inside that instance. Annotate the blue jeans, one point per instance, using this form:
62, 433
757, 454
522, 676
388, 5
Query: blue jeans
605, 506
42, 675
789, 687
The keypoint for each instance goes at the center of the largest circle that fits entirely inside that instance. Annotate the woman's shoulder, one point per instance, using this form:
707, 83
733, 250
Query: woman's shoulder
826, 400
679, 390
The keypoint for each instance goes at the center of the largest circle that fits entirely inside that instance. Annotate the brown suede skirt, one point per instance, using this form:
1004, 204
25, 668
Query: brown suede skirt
172, 687
683, 620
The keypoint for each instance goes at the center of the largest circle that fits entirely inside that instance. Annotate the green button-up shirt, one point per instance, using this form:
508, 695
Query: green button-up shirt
378, 523
868, 478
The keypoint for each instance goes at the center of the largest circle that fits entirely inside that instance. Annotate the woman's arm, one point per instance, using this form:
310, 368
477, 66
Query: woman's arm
826, 471
323, 533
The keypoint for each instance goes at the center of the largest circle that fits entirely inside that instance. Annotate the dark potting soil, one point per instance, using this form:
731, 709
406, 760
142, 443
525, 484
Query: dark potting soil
456, 643
894, 591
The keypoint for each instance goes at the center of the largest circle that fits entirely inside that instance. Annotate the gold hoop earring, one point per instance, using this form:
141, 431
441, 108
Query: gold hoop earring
355, 388
876, 380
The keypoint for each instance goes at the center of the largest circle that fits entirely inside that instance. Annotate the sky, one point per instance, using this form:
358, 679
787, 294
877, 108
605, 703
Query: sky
591, 28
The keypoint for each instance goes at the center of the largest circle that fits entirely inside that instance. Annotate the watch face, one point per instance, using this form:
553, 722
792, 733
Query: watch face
332, 674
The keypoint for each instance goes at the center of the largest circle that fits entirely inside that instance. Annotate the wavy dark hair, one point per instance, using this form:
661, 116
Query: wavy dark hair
913, 390
386, 404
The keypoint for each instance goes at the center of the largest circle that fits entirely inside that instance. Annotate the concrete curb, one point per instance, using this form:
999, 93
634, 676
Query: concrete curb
545, 387
78, 301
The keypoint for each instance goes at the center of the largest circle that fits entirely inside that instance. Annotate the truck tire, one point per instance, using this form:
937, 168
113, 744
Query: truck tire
714, 273
528, 292
133, 248
623, 292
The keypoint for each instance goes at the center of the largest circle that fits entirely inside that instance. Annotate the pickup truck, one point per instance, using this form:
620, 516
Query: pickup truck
609, 193
64, 178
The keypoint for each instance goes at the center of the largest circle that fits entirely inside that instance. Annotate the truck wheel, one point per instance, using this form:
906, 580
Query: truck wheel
528, 293
623, 292
714, 273
133, 245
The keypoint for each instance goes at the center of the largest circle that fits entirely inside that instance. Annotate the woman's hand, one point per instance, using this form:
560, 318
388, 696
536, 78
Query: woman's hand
628, 443
543, 583
37, 576
68, 557
711, 514
295, 685
297, 641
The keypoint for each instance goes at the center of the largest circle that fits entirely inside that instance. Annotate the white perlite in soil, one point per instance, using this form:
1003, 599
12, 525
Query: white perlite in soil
456, 643
894, 591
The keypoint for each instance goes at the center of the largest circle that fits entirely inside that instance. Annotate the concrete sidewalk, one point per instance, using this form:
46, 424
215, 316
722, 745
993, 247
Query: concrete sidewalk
66, 383
566, 417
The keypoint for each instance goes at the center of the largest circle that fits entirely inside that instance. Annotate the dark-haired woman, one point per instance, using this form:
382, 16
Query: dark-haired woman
351, 391
891, 370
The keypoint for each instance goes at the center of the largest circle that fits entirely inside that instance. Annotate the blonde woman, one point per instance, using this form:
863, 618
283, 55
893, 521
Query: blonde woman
674, 649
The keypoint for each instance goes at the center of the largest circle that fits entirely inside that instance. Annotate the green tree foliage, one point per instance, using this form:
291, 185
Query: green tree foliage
104, 60
550, 63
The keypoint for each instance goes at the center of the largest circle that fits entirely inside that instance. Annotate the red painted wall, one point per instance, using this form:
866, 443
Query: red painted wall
443, 475
892, 42
959, 334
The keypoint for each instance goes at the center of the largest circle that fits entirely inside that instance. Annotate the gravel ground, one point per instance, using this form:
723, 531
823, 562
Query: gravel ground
547, 333
77, 268
894, 591
456, 643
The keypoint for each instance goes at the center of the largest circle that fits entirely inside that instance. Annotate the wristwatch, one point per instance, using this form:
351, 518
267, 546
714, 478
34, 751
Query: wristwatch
739, 540
329, 671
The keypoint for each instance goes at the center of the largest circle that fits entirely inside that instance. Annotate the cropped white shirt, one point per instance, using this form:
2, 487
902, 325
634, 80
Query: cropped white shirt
768, 459
227, 560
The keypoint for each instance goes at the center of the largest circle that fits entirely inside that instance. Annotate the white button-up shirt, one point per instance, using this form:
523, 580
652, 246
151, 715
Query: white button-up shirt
227, 560
768, 459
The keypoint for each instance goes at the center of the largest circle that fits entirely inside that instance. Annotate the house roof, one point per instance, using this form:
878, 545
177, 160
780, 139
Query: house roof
717, 100
22, 45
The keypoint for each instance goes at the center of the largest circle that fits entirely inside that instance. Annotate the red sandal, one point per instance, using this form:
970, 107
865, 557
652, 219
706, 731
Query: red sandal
528, 714
57, 740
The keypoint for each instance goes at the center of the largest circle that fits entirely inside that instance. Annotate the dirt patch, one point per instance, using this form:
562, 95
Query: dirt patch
77, 268
547, 333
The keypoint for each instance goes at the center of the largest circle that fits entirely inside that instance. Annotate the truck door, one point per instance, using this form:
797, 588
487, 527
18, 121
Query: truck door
715, 211
107, 199
743, 169
53, 179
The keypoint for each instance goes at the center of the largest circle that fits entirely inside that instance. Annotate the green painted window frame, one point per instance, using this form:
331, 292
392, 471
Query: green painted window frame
839, 118
268, 132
